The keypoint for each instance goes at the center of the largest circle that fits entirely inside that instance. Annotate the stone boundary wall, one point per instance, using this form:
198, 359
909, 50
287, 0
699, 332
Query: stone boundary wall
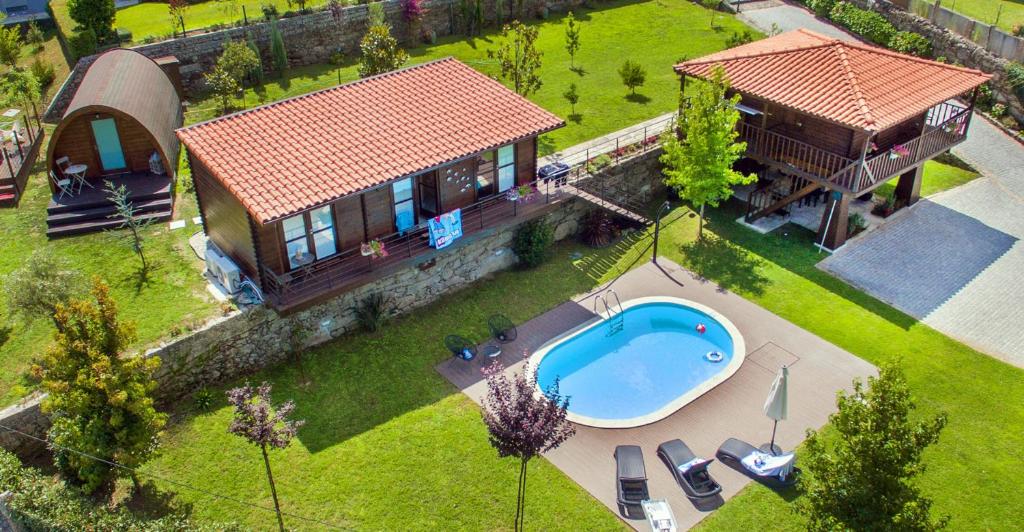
956, 48
245, 342
309, 39
984, 34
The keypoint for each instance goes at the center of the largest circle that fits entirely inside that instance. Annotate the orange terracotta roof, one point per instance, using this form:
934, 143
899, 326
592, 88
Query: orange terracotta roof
861, 86
295, 154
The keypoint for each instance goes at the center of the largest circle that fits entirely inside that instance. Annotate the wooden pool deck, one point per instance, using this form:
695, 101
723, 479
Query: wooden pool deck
733, 409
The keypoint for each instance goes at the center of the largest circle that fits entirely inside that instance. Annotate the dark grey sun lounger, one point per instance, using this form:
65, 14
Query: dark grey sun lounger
732, 453
696, 481
631, 476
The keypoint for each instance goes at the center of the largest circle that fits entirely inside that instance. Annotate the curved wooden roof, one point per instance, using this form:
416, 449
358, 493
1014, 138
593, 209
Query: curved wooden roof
128, 83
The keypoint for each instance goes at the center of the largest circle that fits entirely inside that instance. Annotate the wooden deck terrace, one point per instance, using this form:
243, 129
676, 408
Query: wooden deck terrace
17, 163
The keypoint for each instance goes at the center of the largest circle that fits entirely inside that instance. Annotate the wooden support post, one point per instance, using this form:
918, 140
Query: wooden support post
834, 220
908, 188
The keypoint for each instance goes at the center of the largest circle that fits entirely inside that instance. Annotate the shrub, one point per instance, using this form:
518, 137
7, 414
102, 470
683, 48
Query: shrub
239, 61
1018, 30
532, 243
1015, 79
43, 72
202, 400
599, 229
10, 45
373, 311
738, 39
598, 163
855, 223
821, 8
985, 97
380, 52
908, 42
868, 24
34, 36
124, 35
998, 111
45, 281
269, 11
95, 15
633, 75
83, 43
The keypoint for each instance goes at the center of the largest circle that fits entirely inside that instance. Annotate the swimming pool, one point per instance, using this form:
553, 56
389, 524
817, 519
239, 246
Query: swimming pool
653, 366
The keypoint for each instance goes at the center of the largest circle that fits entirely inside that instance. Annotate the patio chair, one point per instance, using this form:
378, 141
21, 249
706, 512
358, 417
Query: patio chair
690, 471
631, 479
739, 455
460, 347
502, 328
65, 187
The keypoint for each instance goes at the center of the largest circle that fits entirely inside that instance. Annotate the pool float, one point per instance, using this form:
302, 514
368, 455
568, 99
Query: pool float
714, 356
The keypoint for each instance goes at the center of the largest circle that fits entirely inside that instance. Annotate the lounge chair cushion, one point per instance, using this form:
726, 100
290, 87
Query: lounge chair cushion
769, 465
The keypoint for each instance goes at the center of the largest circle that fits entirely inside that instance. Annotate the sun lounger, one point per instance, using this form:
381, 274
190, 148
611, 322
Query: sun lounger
631, 476
690, 471
659, 515
753, 462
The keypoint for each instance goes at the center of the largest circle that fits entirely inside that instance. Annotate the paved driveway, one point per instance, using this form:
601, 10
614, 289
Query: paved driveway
955, 260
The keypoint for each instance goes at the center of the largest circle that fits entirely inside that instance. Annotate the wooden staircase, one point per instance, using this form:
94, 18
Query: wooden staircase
8, 192
765, 201
93, 211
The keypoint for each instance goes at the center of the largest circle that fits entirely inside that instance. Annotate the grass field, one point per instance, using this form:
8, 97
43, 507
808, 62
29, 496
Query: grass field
1009, 12
654, 33
172, 296
938, 176
152, 20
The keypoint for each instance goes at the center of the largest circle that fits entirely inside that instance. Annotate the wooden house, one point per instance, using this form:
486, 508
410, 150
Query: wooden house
294, 192
841, 117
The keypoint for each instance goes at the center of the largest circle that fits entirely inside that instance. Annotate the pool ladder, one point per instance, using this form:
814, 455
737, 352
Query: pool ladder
616, 322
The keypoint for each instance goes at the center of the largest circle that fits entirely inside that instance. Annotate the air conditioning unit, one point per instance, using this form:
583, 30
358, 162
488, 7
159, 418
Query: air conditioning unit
223, 269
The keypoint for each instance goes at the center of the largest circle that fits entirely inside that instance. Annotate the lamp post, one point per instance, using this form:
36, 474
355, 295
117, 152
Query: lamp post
657, 227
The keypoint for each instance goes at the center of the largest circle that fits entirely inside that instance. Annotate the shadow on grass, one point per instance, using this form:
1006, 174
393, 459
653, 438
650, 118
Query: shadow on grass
728, 265
638, 98
151, 502
5, 334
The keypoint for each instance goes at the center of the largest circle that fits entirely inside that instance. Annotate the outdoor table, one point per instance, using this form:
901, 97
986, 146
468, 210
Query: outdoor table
491, 351
77, 172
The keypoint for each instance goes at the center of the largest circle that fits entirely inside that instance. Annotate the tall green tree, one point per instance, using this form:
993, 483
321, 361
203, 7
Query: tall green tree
222, 85
98, 398
380, 52
862, 478
277, 51
256, 74
238, 60
519, 58
572, 39
698, 157
96, 15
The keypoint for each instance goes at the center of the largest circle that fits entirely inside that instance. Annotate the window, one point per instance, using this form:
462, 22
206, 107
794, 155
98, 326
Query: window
485, 174
506, 168
405, 212
316, 229
296, 241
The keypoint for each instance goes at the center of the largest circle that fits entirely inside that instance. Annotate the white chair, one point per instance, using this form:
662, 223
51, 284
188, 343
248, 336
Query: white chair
64, 186
66, 170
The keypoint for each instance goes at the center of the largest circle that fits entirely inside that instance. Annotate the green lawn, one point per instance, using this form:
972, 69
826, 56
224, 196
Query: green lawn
654, 33
986, 11
152, 20
938, 176
173, 295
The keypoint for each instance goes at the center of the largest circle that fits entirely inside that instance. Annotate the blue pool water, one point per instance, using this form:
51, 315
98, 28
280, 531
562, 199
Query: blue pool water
655, 359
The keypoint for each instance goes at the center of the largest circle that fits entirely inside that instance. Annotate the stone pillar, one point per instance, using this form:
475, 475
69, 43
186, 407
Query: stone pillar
832, 232
908, 188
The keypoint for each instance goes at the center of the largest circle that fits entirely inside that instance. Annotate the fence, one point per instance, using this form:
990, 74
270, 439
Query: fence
993, 39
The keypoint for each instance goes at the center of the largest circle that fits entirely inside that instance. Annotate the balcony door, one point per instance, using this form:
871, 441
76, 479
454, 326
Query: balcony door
108, 145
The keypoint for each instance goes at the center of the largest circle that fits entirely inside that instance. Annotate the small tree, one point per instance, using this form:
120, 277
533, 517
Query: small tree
41, 284
223, 85
380, 52
711, 5
519, 58
262, 425
95, 15
277, 51
633, 75
176, 9
412, 14
699, 165
100, 402
572, 96
522, 424
19, 88
863, 478
10, 45
34, 36
572, 39
375, 15
126, 212
238, 61
256, 74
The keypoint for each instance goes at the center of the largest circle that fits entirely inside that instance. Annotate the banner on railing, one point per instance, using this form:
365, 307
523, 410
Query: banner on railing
445, 229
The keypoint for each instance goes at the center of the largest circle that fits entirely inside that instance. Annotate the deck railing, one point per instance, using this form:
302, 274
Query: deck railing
935, 140
802, 156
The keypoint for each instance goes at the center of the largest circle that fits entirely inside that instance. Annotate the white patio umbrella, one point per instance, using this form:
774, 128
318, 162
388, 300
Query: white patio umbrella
777, 404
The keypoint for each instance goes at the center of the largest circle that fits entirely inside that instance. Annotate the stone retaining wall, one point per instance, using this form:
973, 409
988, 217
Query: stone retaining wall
242, 343
309, 39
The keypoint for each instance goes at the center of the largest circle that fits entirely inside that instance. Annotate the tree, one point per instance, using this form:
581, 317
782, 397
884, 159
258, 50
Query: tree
300, 3
711, 5
380, 52
238, 61
412, 14
633, 75
10, 45
95, 15
127, 214
277, 51
862, 479
41, 284
572, 96
522, 424
256, 74
699, 164
19, 88
519, 58
223, 85
100, 402
572, 39
34, 36
177, 9
262, 425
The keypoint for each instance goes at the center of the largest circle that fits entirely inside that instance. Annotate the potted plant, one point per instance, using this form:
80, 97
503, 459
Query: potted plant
373, 248
886, 207
898, 151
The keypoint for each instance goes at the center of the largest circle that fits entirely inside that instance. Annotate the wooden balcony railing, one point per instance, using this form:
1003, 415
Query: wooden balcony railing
935, 140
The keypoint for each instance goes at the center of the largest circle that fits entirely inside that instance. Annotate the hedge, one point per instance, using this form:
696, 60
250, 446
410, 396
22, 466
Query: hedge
908, 42
873, 26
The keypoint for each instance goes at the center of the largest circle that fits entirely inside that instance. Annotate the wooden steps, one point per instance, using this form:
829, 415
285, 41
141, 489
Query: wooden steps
91, 210
600, 202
